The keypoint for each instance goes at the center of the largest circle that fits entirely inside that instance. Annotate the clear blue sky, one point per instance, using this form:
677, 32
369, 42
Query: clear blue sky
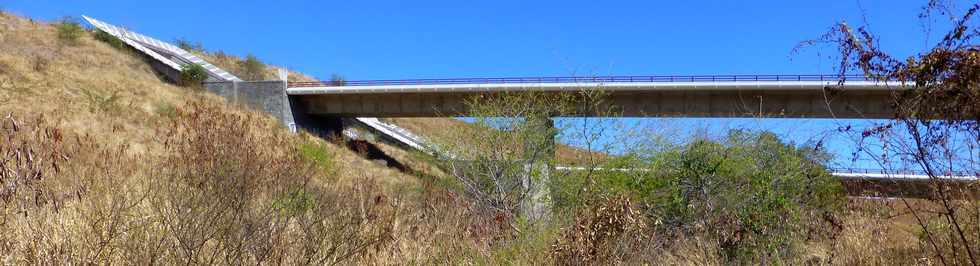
433, 39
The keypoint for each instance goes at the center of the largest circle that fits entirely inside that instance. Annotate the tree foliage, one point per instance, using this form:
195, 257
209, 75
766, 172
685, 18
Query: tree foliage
936, 129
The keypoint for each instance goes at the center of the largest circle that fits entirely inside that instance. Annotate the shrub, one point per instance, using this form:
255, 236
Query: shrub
61, 191
32, 156
109, 39
317, 154
192, 75
69, 30
252, 68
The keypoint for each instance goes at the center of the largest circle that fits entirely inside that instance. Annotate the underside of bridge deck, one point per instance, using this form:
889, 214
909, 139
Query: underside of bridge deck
661, 103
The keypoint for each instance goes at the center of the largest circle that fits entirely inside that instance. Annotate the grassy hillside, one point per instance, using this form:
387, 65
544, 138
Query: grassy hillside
103, 128
92, 88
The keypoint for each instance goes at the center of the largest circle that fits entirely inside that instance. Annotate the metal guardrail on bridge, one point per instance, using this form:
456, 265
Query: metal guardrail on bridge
904, 174
594, 79
896, 172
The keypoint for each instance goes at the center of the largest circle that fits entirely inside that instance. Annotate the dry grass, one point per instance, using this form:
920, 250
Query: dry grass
90, 88
207, 199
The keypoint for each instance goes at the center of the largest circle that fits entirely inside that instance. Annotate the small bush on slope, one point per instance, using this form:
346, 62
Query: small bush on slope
192, 75
109, 39
252, 68
70, 31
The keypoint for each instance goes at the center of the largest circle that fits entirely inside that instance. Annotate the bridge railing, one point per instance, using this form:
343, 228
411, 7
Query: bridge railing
900, 172
594, 79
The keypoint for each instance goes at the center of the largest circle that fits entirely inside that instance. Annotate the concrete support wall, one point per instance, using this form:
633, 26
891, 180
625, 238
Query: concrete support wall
266, 96
166, 71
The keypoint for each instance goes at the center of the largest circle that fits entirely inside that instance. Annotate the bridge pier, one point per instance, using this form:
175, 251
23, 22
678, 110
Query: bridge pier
537, 180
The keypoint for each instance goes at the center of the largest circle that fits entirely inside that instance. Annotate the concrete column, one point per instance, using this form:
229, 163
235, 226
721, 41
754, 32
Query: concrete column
234, 92
537, 177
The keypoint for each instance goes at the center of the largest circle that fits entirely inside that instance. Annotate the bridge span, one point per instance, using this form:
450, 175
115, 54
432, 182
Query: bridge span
791, 96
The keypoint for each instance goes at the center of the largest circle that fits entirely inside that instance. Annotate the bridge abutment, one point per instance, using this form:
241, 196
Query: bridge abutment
267, 96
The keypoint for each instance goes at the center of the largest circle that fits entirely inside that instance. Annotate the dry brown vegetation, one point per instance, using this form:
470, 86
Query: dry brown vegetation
102, 162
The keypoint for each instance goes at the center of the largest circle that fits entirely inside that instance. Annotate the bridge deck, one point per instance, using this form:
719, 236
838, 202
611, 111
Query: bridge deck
808, 96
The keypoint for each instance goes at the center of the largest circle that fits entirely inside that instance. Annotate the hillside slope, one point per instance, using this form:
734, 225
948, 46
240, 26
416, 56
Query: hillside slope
93, 88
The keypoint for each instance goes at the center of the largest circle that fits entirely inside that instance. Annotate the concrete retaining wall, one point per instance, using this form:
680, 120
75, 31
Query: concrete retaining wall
266, 96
